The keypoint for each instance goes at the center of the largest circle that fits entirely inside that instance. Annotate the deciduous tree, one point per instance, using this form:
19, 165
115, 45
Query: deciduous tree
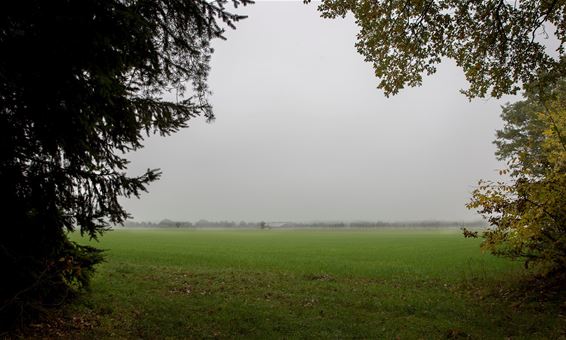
499, 44
528, 212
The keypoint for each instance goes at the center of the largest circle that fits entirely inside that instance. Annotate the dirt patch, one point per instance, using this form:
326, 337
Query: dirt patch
320, 277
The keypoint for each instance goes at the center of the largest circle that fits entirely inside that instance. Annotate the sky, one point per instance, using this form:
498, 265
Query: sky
303, 134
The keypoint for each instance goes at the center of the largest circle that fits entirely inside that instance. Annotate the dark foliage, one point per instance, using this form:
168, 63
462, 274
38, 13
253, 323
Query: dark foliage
81, 83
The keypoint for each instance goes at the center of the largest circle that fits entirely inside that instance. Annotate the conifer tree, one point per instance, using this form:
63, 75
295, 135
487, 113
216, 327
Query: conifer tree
81, 83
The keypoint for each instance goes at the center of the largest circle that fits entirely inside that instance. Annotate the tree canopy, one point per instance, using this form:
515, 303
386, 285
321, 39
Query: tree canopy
528, 211
82, 83
499, 44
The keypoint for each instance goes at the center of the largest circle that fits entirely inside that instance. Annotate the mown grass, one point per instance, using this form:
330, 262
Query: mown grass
304, 284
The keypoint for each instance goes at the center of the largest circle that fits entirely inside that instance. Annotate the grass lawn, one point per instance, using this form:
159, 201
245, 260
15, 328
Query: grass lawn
304, 284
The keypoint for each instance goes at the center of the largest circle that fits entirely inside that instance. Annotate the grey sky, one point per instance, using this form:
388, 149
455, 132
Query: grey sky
303, 134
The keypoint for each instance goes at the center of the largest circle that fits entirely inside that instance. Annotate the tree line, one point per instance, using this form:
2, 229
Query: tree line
205, 224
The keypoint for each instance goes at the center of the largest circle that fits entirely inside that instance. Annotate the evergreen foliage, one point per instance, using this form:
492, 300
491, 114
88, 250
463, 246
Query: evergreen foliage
81, 83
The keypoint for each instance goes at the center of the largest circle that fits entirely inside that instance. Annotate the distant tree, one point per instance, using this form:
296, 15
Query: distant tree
497, 43
202, 223
81, 83
263, 225
528, 212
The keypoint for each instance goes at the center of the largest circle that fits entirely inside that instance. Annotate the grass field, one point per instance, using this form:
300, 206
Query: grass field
304, 284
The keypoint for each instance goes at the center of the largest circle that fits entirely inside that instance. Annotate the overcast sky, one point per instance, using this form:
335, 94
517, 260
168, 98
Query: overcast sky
302, 134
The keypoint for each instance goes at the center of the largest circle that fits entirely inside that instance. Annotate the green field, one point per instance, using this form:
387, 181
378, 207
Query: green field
304, 284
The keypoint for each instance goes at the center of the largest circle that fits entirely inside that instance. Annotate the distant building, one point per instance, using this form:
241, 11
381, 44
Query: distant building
278, 224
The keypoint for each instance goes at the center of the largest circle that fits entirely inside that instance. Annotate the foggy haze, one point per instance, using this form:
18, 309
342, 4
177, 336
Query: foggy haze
303, 134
